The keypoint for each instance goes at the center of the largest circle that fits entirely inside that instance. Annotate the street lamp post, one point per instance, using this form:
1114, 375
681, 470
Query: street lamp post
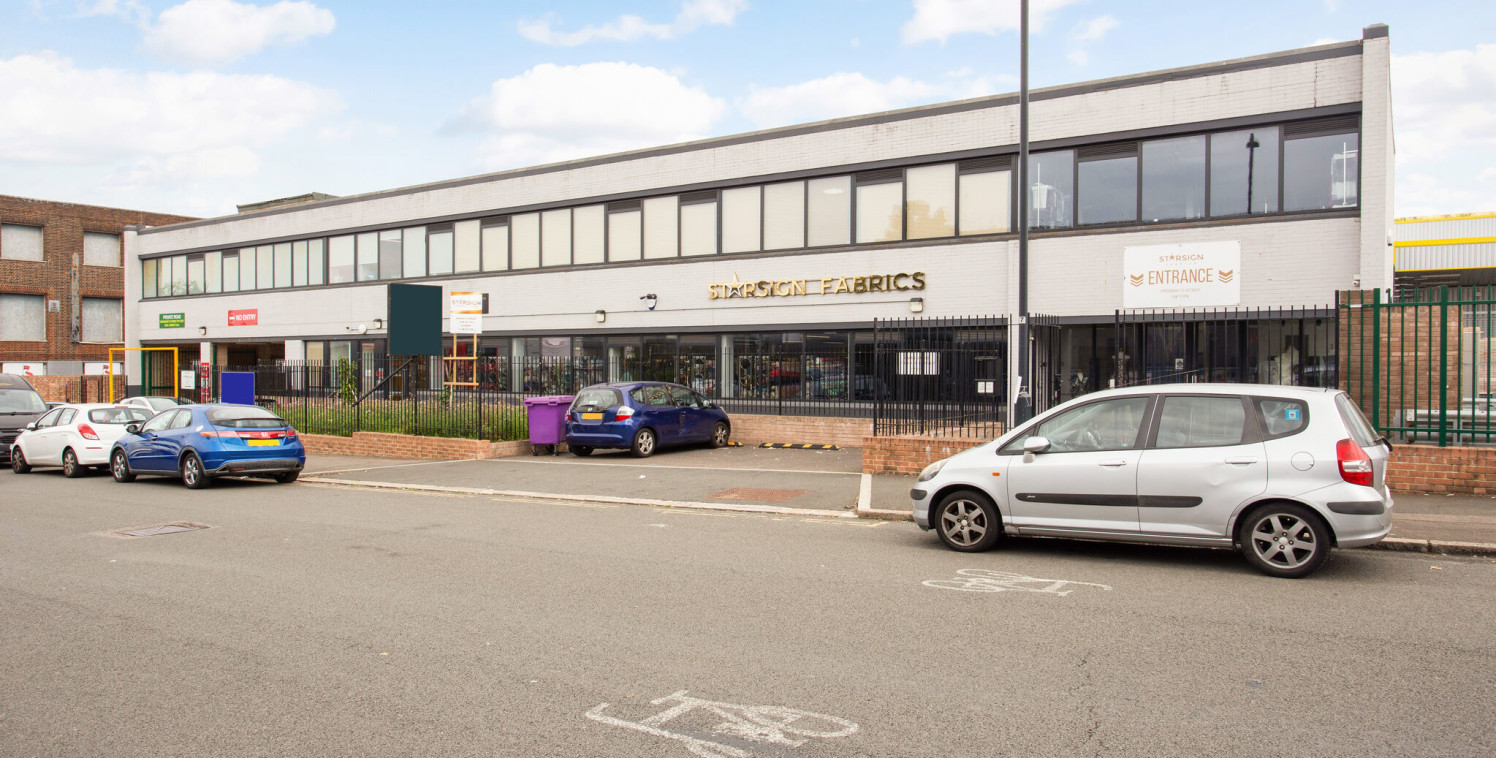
1252, 145
1022, 408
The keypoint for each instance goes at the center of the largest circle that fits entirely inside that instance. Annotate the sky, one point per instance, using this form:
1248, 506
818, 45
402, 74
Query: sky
195, 106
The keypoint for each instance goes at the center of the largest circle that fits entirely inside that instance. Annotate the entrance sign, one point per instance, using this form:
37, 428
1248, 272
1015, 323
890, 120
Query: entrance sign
466, 312
249, 317
1182, 276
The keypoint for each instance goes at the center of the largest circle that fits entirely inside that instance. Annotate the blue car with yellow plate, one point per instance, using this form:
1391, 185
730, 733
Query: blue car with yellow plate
200, 442
643, 416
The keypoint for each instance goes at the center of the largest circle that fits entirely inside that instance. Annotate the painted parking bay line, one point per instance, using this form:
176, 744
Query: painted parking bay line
687, 504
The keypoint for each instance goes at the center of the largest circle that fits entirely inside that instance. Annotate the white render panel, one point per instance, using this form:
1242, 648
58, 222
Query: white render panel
1446, 229
1443, 257
1186, 99
1289, 264
962, 279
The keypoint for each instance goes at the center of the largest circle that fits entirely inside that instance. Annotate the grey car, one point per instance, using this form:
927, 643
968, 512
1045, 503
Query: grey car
1282, 474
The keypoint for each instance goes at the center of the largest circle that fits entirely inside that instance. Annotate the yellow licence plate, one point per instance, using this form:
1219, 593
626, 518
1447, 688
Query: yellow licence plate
262, 443
592, 417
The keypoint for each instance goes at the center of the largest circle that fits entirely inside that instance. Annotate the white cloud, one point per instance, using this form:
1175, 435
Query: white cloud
693, 15
158, 126
129, 10
553, 113
942, 19
1488, 176
216, 32
851, 94
1079, 57
1094, 30
1444, 103
1324, 41
1423, 194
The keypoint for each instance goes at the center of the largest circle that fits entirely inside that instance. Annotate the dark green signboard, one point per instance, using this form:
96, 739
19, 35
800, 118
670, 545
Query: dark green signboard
173, 320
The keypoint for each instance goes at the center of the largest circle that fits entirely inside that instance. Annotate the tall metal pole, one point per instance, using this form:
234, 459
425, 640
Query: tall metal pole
1022, 408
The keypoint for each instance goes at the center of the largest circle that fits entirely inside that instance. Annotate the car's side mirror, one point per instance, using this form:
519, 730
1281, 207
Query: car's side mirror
1033, 446
31, 426
132, 429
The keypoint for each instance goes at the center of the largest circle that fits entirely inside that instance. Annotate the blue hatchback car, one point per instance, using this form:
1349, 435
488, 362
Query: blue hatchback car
200, 442
642, 416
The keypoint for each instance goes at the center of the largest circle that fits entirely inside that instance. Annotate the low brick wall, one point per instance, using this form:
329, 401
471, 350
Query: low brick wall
383, 445
910, 454
73, 388
756, 429
1426, 469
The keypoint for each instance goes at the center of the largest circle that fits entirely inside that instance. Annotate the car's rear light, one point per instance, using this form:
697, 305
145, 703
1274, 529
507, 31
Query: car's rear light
1355, 464
87, 432
277, 434
624, 413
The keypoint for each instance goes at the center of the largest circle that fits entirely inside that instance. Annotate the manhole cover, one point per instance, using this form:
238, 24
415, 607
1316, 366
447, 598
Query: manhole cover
152, 531
758, 493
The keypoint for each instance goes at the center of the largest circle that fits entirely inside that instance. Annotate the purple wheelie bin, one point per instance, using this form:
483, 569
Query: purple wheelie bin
547, 416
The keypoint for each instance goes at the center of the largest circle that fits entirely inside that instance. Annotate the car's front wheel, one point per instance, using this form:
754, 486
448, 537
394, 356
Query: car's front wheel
70, 467
18, 462
720, 434
193, 474
967, 521
1285, 540
119, 466
644, 443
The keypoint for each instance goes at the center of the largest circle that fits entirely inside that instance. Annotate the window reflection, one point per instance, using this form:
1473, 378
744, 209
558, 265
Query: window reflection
1321, 172
1051, 189
1174, 178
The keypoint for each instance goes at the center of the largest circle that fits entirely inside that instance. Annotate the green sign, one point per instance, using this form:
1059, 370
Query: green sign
173, 320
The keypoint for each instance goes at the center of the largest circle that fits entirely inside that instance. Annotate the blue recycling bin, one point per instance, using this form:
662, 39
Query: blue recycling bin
547, 416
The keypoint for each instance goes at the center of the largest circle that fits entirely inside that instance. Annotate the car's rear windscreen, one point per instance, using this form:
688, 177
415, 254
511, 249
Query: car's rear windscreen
118, 416
245, 418
21, 401
597, 399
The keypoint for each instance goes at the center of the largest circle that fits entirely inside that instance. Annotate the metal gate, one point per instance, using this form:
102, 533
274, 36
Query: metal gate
940, 376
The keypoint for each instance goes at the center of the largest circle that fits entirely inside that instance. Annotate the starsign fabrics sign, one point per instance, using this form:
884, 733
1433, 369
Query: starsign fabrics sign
1182, 276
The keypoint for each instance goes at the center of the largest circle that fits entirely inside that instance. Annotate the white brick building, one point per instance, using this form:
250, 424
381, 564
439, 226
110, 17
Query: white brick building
1272, 175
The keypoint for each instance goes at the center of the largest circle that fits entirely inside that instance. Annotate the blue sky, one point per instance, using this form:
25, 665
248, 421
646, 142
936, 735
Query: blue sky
192, 106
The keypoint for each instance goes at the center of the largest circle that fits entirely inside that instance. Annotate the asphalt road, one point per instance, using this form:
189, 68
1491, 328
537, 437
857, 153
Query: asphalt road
327, 620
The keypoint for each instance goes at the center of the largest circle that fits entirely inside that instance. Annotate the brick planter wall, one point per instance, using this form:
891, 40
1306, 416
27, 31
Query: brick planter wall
62, 388
1420, 469
755, 429
910, 454
383, 445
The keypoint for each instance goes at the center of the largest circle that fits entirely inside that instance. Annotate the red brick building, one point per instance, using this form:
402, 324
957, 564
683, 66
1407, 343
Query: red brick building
62, 282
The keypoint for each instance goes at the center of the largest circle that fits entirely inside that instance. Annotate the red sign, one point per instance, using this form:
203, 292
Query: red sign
249, 317
204, 376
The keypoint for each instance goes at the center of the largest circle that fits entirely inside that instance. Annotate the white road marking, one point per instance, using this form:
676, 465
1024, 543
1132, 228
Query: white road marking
742, 508
762, 723
865, 494
986, 580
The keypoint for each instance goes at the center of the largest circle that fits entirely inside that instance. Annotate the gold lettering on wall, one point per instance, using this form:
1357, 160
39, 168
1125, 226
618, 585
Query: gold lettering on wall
826, 285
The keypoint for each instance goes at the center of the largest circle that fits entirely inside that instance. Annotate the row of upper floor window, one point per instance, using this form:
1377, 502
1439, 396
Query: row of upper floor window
22, 242
1275, 168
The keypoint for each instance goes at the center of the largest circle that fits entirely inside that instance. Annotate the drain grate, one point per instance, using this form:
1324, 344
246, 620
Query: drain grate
152, 531
756, 493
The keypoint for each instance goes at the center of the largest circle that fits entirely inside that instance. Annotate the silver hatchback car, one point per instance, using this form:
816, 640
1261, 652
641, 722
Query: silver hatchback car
1280, 473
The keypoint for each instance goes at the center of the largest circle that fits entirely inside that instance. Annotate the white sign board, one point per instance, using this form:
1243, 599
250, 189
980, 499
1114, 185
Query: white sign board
100, 368
919, 364
24, 369
466, 312
189, 379
1182, 276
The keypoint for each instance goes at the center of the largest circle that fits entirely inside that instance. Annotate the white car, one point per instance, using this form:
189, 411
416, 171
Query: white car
1282, 474
75, 437
154, 403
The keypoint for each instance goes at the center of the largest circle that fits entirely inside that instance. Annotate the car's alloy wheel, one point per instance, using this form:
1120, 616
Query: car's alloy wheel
720, 433
192, 473
70, 467
967, 521
1285, 540
120, 467
18, 461
644, 443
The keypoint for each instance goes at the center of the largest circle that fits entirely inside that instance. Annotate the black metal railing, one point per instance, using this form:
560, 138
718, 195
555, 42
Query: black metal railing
940, 376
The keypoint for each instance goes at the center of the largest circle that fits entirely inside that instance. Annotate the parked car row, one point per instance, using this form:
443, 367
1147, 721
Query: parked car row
141, 436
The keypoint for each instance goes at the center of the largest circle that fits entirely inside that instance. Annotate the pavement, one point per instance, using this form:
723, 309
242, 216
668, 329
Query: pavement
820, 483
